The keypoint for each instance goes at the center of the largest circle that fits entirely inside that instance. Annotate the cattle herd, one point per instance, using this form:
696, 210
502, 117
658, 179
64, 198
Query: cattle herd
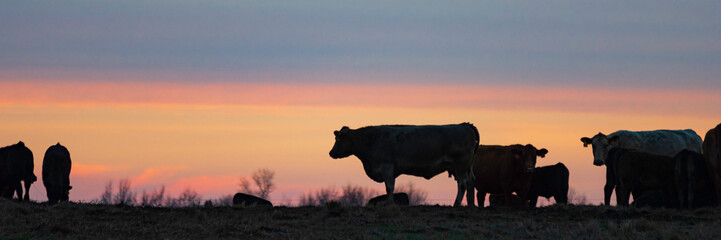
16, 166
661, 168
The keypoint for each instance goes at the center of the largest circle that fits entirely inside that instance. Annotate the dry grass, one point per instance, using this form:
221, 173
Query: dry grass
88, 221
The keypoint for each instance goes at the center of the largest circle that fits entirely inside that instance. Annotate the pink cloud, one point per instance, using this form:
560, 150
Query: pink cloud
157, 175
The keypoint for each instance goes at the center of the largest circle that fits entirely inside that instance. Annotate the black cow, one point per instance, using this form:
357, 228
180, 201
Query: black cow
391, 150
693, 183
400, 199
16, 165
639, 173
56, 173
549, 181
242, 199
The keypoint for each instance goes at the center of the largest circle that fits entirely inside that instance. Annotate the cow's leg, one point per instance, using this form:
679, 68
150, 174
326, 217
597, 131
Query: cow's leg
607, 190
470, 194
27, 190
459, 195
481, 198
622, 196
532, 201
19, 190
390, 184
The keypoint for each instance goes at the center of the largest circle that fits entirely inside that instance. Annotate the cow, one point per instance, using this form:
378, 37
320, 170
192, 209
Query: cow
242, 199
400, 199
712, 154
693, 183
504, 170
640, 173
549, 181
16, 165
388, 151
56, 173
662, 142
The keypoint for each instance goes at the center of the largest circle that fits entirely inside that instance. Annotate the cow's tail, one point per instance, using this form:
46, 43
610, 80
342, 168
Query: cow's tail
478, 138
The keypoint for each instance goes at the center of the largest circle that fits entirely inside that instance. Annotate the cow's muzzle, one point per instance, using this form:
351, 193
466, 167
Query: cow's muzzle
530, 170
598, 162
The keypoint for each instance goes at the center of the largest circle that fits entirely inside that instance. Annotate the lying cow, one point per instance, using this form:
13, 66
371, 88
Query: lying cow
639, 173
549, 181
391, 150
693, 183
242, 199
400, 199
16, 165
505, 170
712, 154
662, 142
56, 173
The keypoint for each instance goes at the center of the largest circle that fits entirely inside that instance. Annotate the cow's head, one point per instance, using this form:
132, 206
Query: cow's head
343, 146
528, 154
600, 145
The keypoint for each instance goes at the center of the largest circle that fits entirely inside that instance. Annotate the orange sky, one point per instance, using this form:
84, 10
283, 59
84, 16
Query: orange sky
206, 135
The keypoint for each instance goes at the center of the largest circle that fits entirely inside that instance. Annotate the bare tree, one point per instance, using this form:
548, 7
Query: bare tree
153, 198
416, 196
324, 195
188, 198
307, 200
107, 196
263, 179
355, 195
124, 196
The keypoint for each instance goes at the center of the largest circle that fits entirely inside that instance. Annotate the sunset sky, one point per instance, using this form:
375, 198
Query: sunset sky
197, 94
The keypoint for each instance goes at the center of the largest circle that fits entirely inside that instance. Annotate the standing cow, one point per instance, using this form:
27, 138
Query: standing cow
662, 142
693, 183
388, 151
641, 173
16, 165
504, 170
712, 154
56, 173
547, 182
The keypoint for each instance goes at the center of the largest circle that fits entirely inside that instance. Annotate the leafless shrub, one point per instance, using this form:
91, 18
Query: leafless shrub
355, 195
107, 196
263, 179
153, 198
307, 200
416, 196
325, 195
124, 196
576, 198
225, 200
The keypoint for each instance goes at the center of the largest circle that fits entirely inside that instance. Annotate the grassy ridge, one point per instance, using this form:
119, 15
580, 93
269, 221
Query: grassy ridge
88, 221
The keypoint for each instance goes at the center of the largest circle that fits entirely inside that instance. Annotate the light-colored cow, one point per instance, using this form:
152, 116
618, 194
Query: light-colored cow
391, 150
660, 142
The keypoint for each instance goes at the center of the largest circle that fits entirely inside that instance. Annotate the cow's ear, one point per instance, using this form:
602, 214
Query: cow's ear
336, 133
586, 141
542, 153
516, 154
612, 139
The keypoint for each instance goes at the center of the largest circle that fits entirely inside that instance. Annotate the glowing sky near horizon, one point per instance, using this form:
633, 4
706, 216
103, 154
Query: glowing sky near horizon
186, 93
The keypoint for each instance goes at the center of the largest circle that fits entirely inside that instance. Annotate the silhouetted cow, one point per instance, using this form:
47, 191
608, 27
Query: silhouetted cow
391, 150
242, 199
504, 170
660, 142
56, 173
712, 154
693, 183
400, 199
549, 181
16, 165
639, 173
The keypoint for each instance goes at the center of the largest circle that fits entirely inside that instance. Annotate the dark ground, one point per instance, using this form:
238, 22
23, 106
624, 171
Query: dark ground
88, 221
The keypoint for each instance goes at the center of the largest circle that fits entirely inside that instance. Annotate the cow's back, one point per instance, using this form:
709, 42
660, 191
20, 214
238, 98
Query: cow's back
661, 142
712, 155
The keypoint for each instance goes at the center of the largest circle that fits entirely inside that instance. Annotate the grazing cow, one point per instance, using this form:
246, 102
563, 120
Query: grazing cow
388, 151
549, 181
56, 173
693, 183
662, 142
712, 154
639, 173
400, 199
16, 165
504, 170
242, 199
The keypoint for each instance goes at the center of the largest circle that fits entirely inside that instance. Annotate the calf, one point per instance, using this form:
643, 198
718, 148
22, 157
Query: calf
549, 181
400, 199
504, 170
693, 183
639, 173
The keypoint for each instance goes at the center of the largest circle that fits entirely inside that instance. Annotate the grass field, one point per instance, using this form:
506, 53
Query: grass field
89, 221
